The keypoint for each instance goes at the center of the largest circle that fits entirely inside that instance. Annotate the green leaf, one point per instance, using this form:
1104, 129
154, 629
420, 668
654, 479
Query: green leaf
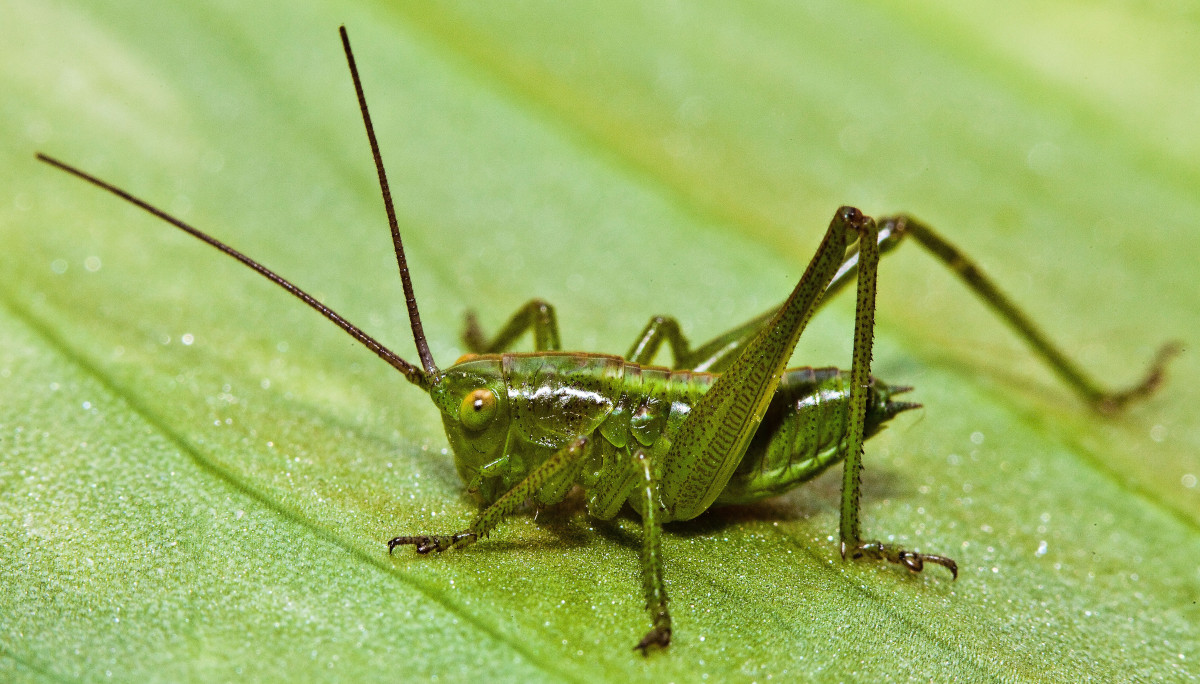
198, 474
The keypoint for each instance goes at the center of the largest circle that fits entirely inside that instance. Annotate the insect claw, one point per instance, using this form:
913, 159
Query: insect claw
912, 560
424, 544
945, 562
916, 562
399, 541
659, 637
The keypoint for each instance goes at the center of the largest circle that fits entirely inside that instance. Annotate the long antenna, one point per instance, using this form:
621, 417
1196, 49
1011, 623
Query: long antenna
415, 375
414, 316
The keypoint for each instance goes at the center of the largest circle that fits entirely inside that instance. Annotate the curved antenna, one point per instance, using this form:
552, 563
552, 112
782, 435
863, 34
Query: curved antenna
415, 375
414, 316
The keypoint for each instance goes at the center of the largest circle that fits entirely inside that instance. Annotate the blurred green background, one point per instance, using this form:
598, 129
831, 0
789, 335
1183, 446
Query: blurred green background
199, 474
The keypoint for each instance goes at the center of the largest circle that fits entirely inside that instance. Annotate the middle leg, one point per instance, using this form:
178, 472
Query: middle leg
652, 564
536, 315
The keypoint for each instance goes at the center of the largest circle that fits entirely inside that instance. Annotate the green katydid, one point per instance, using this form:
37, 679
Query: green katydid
730, 423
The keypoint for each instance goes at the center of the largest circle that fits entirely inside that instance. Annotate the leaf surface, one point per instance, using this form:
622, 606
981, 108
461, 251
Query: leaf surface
199, 475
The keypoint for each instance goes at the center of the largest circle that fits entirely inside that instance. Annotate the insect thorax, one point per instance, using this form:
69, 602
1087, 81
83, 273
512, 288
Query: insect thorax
548, 400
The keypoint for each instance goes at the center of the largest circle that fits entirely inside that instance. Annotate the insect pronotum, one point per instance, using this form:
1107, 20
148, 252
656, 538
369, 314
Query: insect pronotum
729, 423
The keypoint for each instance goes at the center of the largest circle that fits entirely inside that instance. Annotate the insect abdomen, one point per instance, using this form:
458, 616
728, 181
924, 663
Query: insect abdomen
802, 434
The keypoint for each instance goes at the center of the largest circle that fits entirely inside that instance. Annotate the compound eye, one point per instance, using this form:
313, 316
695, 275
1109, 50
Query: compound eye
477, 409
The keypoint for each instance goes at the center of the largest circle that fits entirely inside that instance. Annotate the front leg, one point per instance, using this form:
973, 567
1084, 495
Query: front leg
852, 544
561, 463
